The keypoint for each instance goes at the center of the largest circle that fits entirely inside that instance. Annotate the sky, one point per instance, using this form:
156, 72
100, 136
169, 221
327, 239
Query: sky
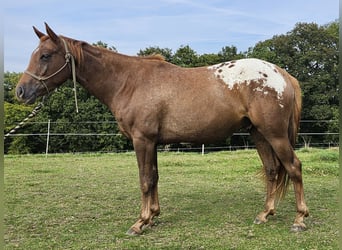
130, 25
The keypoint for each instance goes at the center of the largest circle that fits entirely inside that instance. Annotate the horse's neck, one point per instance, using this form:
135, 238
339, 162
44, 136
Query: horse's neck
101, 73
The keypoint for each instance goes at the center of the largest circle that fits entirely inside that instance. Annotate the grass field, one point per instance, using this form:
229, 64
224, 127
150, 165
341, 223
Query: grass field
89, 201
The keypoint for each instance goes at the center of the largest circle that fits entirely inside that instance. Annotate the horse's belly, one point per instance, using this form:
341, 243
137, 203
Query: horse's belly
199, 130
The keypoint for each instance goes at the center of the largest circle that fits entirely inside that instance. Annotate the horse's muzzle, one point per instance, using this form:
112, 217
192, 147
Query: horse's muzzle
23, 95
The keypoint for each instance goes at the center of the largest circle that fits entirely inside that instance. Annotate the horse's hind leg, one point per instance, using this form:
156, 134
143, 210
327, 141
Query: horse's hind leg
293, 166
271, 167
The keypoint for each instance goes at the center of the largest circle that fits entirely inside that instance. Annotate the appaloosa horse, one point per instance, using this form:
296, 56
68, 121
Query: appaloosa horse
155, 102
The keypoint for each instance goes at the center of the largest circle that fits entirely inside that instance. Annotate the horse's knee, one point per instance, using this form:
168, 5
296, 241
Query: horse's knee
149, 183
148, 188
145, 187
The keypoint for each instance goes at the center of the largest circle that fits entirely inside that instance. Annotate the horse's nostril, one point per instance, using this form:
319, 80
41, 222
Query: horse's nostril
20, 92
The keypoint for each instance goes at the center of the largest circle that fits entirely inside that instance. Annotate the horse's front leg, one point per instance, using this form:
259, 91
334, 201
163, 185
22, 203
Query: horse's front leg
146, 153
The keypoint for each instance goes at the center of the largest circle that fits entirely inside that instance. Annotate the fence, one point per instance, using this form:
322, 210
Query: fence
304, 138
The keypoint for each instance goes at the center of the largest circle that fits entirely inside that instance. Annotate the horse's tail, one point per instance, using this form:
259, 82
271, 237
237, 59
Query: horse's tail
295, 117
283, 178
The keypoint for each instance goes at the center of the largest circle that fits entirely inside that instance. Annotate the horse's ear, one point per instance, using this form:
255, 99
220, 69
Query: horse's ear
38, 33
51, 33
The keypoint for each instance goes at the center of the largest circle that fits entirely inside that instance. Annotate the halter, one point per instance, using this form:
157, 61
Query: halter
68, 56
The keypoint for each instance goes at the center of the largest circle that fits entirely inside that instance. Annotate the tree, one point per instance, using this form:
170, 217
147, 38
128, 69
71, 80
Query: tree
185, 57
229, 53
208, 59
10, 81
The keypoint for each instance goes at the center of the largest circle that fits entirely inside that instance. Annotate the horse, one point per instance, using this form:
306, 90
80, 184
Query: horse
155, 103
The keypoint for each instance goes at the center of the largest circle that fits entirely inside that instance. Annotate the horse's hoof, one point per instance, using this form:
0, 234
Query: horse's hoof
132, 232
258, 221
298, 228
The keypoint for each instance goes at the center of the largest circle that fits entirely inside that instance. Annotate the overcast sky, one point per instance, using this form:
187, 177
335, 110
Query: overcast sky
131, 25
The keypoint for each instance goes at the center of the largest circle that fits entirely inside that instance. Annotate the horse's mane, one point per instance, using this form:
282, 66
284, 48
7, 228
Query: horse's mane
76, 48
157, 57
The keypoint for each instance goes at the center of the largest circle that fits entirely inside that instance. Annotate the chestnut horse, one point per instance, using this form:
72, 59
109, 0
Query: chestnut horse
155, 102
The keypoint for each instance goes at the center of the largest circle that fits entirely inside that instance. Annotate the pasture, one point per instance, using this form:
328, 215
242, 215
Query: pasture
88, 201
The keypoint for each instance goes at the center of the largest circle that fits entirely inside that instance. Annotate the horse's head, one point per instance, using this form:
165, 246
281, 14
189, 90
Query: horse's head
48, 67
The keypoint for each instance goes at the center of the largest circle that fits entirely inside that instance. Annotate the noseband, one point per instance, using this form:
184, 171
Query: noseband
68, 57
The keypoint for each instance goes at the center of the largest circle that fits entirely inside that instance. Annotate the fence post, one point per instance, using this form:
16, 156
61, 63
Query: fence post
202, 149
47, 139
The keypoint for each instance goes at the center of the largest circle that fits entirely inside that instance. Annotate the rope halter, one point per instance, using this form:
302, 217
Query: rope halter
68, 57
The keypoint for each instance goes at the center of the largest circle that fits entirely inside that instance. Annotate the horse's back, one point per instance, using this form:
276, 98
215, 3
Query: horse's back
210, 103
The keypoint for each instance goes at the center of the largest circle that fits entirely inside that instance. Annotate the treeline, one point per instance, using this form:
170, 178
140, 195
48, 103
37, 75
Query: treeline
309, 52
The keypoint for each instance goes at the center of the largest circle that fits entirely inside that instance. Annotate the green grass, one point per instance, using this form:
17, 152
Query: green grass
89, 201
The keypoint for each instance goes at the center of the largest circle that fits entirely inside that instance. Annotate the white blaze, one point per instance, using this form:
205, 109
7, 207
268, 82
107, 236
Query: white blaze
235, 73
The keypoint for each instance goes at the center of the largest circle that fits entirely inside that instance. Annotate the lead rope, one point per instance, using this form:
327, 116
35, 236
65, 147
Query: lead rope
22, 123
74, 80
69, 56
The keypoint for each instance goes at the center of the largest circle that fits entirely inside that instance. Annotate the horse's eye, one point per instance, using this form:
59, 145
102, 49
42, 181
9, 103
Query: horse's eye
45, 57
